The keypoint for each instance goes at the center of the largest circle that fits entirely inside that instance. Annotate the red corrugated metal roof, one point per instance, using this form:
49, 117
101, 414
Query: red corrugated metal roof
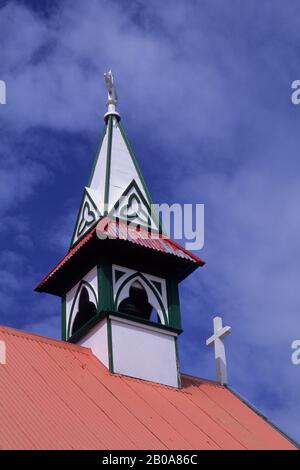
121, 231
155, 241
56, 395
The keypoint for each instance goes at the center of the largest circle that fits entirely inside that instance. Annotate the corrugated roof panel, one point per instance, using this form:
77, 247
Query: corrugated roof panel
122, 231
188, 436
56, 395
258, 427
206, 423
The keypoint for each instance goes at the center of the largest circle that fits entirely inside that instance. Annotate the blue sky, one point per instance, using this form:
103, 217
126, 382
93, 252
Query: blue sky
204, 92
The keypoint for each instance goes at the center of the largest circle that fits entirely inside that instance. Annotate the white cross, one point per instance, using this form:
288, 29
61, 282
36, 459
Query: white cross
2, 92
2, 352
219, 333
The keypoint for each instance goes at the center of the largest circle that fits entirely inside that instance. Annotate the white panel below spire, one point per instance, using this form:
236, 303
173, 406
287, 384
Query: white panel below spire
123, 170
97, 183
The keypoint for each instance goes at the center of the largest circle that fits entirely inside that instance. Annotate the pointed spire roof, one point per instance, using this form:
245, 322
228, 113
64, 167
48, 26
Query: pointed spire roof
116, 186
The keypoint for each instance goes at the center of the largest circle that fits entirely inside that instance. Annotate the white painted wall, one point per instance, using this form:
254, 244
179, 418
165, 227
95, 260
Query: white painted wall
138, 350
97, 185
123, 170
96, 339
144, 352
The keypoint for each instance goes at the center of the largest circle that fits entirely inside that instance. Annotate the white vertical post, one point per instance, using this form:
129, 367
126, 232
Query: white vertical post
2, 352
220, 357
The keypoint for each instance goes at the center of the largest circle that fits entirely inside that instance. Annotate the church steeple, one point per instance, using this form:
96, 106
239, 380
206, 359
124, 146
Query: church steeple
120, 292
116, 186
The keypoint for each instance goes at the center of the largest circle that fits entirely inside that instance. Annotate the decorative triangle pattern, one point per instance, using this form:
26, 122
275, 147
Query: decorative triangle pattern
116, 185
87, 217
133, 208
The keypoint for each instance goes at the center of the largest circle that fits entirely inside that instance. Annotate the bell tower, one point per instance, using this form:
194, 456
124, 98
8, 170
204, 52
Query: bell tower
119, 280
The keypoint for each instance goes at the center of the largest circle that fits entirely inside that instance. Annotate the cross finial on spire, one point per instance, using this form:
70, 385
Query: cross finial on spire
216, 339
112, 97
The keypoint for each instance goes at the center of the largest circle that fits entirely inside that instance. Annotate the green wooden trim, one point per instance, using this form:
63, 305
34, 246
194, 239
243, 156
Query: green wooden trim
84, 233
135, 162
108, 163
177, 362
158, 286
105, 285
132, 318
110, 346
173, 303
77, 220
140, 275
97, 156
130, 150
82, 283
96, 215
99, 282
104, 314
85, 194
63, 318
84, 329
133, 185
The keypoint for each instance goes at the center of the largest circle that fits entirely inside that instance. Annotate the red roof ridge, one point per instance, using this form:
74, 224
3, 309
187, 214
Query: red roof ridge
44, 339
147, 382
75, 347
195, 378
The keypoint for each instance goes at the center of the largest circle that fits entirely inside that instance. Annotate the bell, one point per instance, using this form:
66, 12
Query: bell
137, 303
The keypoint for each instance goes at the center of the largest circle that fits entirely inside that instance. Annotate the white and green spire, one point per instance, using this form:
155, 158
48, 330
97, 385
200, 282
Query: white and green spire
116, 186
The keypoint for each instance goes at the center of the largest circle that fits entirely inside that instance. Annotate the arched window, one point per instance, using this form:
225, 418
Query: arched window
154, 316
86, 310
137, 303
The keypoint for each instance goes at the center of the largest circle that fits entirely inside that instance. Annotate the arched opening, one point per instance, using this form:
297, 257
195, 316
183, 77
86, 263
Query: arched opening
137, 303
154, 316
86, 310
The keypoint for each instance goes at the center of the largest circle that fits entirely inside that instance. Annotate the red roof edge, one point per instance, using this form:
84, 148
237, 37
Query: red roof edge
90, 234
70, 253
259, 413
44, 339
189, 253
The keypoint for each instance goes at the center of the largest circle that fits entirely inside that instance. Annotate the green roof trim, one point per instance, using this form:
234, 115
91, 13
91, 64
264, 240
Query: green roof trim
135, 162
130, 150
74, 239
108, 163
141, 199
139, 275
97, 156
